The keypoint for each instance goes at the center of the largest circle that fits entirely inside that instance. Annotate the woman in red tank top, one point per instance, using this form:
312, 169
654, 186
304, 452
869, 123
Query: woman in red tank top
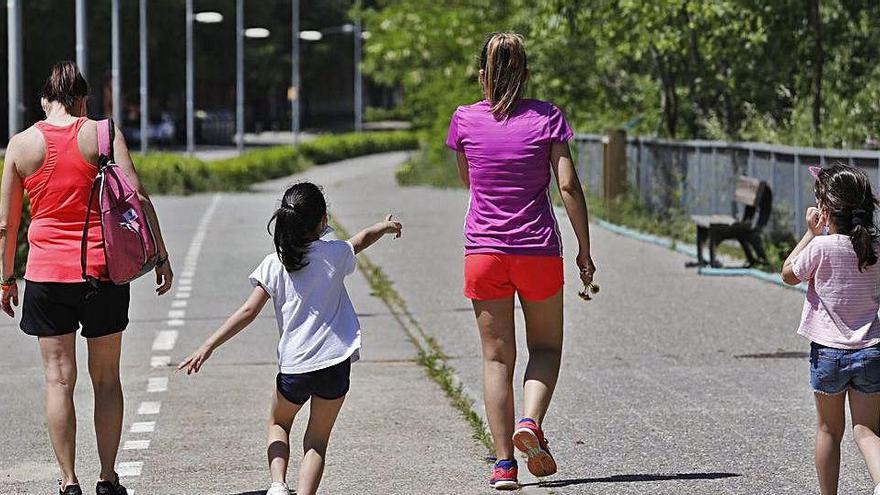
54, 162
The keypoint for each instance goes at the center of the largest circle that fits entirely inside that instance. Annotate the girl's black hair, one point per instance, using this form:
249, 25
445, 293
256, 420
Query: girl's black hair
296, 223
845, 192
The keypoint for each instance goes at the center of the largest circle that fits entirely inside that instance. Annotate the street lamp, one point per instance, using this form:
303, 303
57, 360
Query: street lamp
256, 33
144, 77
209, 17
204, 18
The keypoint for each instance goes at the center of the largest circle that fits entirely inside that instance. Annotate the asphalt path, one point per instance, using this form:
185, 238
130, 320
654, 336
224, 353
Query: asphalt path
672, 383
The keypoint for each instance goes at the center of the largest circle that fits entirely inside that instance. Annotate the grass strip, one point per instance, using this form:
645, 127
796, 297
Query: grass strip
430, 355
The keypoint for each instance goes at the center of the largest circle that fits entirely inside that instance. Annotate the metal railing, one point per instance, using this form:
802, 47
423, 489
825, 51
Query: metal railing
699, 177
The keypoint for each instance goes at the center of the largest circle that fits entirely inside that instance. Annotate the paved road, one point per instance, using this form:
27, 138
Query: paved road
672, 383
397, 433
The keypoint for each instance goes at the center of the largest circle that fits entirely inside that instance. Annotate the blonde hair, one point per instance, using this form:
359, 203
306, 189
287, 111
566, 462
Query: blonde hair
505, 70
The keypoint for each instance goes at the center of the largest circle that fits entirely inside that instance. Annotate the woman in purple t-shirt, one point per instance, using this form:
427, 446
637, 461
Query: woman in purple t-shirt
507, 147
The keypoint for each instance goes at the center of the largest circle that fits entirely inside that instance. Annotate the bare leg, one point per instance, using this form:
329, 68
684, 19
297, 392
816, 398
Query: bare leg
498, 337
544, 339
59, 365
865, 420
830, 424
322, 417
109, 404
280, 422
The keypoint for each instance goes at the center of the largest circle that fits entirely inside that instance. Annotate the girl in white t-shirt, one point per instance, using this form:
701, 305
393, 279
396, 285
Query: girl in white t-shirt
320, 333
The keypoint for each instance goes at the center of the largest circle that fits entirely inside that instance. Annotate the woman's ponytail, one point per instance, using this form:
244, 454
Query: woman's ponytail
505, 70
294, 225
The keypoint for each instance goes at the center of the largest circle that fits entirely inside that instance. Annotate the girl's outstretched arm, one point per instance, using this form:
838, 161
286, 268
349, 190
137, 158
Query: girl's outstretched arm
367, 237
234, 324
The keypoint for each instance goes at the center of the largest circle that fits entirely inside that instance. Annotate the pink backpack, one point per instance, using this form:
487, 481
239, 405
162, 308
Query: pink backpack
129, 245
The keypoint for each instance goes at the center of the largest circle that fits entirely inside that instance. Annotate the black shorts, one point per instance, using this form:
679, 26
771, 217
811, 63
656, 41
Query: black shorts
327, 383
50, 309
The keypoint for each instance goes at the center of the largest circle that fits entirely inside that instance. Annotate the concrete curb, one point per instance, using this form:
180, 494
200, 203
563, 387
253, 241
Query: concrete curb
773, 278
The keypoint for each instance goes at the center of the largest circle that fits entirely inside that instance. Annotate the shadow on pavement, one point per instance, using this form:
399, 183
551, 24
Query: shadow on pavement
633, 478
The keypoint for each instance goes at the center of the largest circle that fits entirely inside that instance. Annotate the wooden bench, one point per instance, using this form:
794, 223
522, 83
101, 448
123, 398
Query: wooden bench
757, 199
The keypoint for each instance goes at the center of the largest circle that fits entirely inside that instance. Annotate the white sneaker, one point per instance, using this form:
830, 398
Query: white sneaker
278, 488
877, 490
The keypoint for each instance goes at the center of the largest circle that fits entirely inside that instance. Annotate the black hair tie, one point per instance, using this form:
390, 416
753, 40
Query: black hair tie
858, 216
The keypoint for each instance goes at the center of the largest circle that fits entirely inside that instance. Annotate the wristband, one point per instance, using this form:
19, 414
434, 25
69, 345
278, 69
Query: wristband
8, 282
161, 262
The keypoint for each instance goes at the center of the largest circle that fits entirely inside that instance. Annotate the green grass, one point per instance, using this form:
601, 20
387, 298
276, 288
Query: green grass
430, 355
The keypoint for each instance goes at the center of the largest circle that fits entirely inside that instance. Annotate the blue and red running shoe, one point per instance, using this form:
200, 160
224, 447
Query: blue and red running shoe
504, 475
529, 439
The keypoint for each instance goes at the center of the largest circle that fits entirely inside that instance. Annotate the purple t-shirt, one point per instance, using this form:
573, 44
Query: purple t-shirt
842, 302
509, 168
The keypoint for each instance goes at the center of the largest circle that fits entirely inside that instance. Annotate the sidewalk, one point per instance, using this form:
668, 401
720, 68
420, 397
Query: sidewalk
671, 382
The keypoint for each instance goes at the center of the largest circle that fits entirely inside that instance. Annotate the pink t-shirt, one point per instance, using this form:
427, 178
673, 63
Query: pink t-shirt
509, 168
842, 302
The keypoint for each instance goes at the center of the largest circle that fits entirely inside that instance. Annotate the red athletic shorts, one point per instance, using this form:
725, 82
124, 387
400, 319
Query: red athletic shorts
497, 276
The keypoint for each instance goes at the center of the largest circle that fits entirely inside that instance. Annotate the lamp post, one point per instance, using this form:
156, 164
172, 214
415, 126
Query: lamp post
144, 77
294, 68
239, 75
358, 79
14, 70
190, 103
82, 47
114, 61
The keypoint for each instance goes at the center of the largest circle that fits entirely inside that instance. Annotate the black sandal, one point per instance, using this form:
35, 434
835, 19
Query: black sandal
107, 488
70, 490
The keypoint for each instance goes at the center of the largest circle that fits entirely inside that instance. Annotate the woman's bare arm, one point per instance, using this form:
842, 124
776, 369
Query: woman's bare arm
164, 276
575, 205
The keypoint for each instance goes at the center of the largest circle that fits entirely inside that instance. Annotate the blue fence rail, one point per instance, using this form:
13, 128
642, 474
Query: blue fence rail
699, 177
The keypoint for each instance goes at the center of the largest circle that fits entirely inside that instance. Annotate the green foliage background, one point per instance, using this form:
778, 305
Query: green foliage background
721, 69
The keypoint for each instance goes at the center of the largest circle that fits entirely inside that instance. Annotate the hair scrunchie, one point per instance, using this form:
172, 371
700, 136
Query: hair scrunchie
858, 216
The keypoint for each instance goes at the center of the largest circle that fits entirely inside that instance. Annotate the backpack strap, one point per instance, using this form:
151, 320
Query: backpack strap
106, 131
106, 134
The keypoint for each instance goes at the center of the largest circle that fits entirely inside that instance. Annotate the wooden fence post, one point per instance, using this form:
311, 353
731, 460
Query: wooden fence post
614, 164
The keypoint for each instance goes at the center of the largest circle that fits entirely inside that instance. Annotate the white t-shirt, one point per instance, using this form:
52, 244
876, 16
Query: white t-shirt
317, 322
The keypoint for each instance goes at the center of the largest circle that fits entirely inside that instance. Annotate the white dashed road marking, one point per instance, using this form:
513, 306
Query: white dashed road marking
136, 445
160, 361
131, 468
143, 427
149, 408
164, 342
157, 384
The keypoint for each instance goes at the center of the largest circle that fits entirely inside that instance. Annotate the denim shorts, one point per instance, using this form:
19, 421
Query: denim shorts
833, 371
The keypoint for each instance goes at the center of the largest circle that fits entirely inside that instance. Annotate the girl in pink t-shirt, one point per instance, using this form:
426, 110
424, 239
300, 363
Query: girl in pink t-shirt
837, 257
508, 149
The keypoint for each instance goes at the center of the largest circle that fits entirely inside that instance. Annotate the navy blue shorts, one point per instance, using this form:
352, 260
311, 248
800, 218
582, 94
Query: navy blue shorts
327, 383
833, 371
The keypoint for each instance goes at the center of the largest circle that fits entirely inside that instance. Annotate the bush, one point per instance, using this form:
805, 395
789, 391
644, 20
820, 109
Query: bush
171, 173
331, 148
